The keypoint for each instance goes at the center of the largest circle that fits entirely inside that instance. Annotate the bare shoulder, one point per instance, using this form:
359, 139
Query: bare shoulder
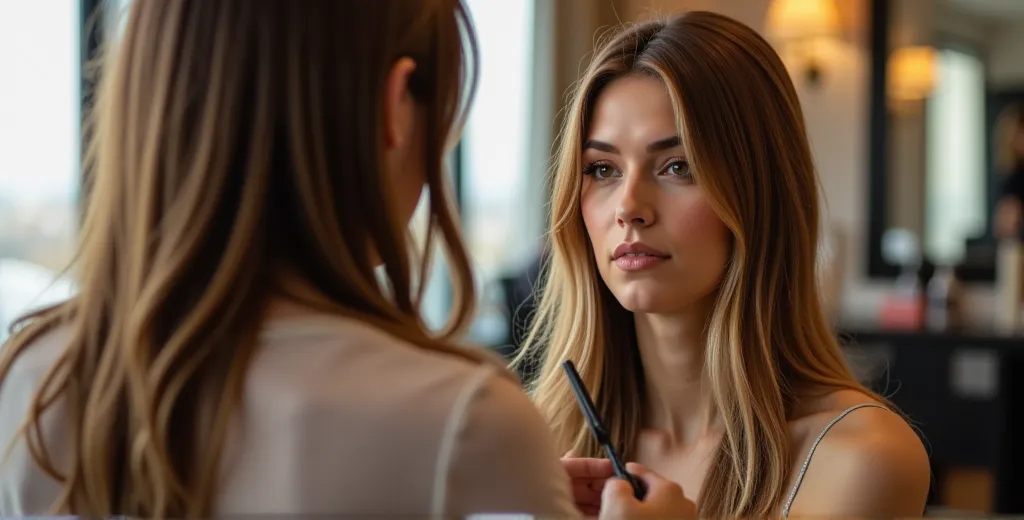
870, 463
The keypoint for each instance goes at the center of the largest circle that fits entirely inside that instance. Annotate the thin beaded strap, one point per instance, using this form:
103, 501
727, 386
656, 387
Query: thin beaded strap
807, 461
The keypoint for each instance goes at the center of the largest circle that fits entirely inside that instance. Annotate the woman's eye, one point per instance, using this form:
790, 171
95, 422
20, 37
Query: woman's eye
679, 169
599, 171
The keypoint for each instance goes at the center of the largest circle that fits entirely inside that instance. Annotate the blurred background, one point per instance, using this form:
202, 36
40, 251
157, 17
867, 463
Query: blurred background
913, 111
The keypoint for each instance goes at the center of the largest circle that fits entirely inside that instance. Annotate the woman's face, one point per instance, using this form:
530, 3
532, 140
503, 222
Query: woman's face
658, 244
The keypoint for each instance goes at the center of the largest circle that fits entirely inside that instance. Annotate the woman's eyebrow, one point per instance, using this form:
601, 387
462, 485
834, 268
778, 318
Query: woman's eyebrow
664, 144
600, 145
656, 146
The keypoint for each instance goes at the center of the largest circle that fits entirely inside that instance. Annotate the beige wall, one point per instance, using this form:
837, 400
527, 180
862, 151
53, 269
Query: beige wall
1006, 66
1000, 40
750, 12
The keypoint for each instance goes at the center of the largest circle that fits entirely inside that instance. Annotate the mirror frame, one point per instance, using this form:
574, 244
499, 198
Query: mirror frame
879, 120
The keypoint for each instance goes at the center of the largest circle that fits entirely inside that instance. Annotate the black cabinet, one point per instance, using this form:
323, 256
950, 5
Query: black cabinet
961, 391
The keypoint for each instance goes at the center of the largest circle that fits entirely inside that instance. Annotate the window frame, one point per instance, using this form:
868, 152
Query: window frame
93, 18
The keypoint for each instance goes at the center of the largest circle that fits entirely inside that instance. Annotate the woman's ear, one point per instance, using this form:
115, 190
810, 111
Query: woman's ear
399, 105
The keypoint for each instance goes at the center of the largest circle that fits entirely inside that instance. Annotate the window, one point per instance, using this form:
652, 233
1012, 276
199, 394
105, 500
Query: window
495, 144
39, 151
499, 193
955, 181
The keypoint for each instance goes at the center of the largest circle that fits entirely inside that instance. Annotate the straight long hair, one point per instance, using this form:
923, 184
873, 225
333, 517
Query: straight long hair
233, 141
767, 334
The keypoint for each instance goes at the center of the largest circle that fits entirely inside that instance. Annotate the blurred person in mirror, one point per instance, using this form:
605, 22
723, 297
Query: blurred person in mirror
684, 228
245, 338
1009, 211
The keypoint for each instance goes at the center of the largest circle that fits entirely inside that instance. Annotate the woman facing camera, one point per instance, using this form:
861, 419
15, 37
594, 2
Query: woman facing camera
246, 337
685, 221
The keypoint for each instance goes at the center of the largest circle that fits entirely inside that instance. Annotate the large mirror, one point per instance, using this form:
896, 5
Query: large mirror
947, 80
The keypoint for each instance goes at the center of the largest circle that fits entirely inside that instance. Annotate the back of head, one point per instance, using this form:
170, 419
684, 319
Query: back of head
742, 127
235, 144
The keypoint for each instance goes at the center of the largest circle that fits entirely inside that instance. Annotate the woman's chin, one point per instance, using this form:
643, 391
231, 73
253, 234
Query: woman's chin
635, 299
650, 298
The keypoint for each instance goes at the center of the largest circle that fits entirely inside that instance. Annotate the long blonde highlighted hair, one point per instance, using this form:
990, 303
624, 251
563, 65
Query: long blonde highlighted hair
767, 334
233, 141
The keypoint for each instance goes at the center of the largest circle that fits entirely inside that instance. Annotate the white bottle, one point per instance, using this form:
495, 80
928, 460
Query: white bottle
944, 300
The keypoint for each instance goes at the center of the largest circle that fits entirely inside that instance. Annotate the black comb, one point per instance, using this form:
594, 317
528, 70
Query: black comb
600, 432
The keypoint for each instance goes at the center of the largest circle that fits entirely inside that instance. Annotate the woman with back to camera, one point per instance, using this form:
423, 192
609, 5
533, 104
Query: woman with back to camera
682, 283
230, 350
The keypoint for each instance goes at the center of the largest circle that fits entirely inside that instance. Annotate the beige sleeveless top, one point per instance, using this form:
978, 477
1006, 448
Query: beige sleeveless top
342, 419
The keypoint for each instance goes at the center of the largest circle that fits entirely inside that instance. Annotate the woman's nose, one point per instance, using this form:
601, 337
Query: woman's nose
634, 207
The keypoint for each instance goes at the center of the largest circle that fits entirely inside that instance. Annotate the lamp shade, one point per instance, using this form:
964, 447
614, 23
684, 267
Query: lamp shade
790, 20
911, 72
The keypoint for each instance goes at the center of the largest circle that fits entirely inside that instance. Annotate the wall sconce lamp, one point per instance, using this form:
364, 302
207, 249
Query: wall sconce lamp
911, 73
801, 26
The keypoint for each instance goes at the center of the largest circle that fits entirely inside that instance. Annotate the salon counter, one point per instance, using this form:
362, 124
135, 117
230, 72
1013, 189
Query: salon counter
964, 391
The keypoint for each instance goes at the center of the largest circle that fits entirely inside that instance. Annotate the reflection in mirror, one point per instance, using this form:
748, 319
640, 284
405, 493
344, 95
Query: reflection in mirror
950, 70
955, 183
1009, 153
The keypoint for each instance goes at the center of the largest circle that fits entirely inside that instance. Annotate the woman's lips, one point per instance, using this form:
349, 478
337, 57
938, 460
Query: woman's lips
638, 261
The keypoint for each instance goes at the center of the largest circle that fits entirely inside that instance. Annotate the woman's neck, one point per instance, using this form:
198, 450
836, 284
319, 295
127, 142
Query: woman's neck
678, 394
